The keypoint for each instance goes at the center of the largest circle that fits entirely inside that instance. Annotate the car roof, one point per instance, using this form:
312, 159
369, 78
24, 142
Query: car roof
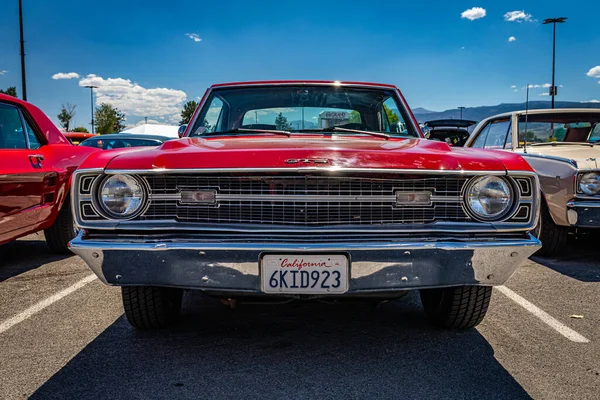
125, 136
302, 82
547, 111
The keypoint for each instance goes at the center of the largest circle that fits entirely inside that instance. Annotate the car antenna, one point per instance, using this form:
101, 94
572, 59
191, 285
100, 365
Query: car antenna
526, 115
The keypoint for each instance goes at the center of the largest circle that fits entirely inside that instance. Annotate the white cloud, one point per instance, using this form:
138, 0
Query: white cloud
68, 75
2, 72
594, 72
591, 101
544, 94
512, 39
518, 16
473, 13
194, 37
514, 88
134, 99
545, 85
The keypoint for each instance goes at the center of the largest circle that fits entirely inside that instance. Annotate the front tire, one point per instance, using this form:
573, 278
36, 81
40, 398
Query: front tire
62, 231
459, 307
552, 236
151, 307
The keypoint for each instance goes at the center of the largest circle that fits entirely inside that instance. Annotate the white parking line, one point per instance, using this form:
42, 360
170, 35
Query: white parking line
544, 316
36, 308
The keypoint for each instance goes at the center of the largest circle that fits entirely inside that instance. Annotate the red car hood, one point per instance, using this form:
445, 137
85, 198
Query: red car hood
273, 152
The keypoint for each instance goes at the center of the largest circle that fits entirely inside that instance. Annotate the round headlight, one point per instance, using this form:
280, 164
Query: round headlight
489, 197
121, 196
590, 183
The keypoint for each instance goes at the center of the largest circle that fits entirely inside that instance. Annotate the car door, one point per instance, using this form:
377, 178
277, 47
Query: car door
22, 173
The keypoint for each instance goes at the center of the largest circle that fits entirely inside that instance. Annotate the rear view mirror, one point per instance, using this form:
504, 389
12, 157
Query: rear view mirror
181, 130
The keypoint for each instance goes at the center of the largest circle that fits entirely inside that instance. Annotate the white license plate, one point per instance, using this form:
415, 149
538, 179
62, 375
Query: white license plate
304, 274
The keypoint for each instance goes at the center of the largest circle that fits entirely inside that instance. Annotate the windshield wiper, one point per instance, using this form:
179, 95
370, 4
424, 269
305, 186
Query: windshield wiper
561, 143
238, 130
340, 129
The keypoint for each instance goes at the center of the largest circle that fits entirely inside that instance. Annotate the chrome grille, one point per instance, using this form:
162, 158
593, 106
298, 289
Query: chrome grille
310, 200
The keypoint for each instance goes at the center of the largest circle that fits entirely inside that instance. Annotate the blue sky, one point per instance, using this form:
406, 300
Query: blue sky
438, 59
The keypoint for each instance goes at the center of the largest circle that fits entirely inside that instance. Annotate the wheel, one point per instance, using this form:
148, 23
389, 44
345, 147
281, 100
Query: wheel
62, 230
151, 307
459, 307
552, 236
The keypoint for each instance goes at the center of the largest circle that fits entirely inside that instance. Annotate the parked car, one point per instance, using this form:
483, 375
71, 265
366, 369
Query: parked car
124, 140
77, 137
36, 163
252, 204
562, 146
452, 131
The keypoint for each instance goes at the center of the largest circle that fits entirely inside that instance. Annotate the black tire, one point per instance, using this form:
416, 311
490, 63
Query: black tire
62, 231
459, 307
151, 307
552, 236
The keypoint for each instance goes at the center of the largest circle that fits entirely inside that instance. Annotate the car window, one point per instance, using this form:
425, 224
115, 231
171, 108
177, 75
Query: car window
34, 142
496, 137
392, 119
595, 135
212, 118
11, 128
480, 141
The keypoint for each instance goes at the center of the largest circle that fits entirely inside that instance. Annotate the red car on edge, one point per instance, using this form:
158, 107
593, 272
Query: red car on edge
36, 164
305, 190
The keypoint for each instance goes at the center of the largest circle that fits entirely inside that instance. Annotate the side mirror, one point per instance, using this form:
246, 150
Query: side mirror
181, 130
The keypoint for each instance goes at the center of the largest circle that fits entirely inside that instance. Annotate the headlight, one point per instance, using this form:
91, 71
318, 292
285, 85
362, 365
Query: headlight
489, 198
590, 183
121, 196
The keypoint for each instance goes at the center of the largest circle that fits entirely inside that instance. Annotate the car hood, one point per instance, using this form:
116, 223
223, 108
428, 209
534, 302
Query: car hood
583, 155
282, 152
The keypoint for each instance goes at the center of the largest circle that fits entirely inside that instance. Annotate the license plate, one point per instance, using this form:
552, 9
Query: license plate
304, 274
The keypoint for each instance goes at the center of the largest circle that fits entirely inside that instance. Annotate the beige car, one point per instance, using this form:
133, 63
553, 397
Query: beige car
563, 146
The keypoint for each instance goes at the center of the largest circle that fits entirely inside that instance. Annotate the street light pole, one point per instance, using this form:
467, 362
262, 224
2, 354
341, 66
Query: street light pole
92, 102
23, 78
461, 110
554, 21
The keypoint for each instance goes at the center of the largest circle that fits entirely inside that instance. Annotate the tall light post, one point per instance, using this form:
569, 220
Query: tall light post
554, 21
23, 78
91, 87
461, 110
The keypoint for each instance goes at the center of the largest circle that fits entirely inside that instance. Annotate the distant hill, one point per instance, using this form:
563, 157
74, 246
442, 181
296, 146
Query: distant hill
297, 124
421, 110
479, 113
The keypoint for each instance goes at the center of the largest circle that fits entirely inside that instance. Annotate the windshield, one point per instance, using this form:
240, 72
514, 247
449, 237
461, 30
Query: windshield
108, 144
303, 109
560, 128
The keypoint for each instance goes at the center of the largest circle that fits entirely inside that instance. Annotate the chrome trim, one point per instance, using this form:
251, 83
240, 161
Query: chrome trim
583, 204
313, 169
321, 198
375, 266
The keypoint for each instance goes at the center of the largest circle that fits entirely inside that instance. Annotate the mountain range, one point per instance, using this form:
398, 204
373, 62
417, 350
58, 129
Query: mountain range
482, 112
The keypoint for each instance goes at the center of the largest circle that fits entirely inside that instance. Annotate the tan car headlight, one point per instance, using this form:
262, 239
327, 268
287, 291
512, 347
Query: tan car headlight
590, 183
121, 196
489, 198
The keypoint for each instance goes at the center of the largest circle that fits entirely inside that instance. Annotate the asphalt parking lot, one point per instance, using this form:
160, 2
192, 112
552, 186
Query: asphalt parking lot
63, 335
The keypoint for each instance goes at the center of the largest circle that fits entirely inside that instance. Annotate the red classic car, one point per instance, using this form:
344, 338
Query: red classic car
302, 190
36, 163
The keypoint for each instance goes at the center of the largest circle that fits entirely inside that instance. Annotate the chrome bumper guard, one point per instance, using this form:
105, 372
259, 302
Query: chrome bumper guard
584, 214
374, 266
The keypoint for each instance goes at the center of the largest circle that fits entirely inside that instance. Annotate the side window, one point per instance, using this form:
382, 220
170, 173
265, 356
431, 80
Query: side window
480, 141
212, 118
595, 135
391, 117
34, 142
11, 128
496, 137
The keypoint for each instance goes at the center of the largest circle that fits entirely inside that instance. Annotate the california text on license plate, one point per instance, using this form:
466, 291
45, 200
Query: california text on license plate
304, 274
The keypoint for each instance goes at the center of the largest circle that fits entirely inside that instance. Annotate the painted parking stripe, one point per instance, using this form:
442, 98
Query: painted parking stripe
36, 308
544, 316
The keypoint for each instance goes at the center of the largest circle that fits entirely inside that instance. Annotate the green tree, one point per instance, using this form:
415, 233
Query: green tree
354, 117
187, 112
109, 119
11, 91
66, 115
391, 115
281, 123
80, 129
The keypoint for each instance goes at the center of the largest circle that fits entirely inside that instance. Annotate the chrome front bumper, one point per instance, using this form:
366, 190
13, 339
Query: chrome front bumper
374, 266
584, 214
